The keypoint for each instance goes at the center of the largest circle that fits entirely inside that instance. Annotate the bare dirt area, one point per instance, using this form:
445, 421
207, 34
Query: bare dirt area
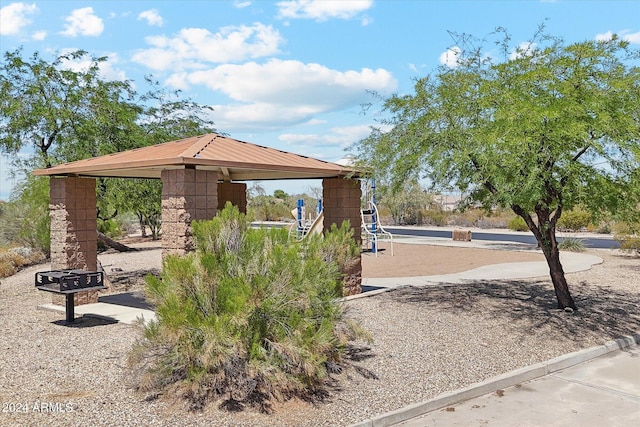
427, 341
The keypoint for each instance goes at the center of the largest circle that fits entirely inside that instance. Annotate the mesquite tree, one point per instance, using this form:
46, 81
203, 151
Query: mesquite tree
539, 129
61, 113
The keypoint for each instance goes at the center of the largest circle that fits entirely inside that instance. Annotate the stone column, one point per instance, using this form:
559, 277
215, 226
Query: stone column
74, 236
233, 192
341, 200
187, 195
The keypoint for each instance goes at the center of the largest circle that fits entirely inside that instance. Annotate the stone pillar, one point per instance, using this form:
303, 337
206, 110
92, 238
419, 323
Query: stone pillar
74, 236
341, 200
187, 195
233, 192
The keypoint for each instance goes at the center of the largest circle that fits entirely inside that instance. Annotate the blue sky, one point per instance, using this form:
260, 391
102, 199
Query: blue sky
292, 75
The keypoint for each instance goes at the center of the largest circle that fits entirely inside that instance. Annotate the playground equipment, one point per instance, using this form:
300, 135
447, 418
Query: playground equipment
306, 225
372, 229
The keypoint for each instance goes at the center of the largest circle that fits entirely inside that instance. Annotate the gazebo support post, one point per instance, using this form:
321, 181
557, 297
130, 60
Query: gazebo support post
74, 236
234, 192
187, 194
341, 200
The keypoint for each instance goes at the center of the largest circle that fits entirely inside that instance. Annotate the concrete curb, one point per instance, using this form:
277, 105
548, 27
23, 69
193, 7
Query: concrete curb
500, 382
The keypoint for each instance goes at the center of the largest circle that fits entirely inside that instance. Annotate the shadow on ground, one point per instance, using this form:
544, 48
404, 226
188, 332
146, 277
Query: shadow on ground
603, 313
85, 322
134, 299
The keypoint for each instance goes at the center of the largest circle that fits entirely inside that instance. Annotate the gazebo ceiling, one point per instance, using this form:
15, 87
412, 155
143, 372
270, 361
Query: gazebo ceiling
234, 160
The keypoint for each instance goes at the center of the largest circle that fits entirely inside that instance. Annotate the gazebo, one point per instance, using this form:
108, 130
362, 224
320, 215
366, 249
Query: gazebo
199, 175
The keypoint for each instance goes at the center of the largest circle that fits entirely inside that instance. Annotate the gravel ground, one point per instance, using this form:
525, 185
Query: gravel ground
427, 341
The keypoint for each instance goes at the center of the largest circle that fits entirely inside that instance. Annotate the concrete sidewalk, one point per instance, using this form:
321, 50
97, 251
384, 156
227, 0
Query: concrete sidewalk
126, 308
604, 391
571, 262
599, 386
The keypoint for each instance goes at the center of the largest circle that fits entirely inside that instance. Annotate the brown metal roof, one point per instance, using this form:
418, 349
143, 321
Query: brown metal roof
235, 160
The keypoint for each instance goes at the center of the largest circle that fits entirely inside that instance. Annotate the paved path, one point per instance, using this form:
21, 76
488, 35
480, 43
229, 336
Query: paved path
595, 387
571, 262
604, 391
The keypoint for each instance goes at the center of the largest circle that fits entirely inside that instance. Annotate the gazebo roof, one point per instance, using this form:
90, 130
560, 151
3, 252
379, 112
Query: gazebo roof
234, 160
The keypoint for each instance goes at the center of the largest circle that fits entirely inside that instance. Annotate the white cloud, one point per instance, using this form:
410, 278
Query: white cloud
341, 137
604, 37
107, 69
39, 35
314, 122
83, 22
523, 49
240, 4
450, 57
193, 46
293, 82
322, 10
152, 17
279, 93
624, 35
632, 38
14, 17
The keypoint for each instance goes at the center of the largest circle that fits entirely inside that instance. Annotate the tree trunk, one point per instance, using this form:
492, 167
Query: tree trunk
551, 252
143, 224
113, 244
545, 233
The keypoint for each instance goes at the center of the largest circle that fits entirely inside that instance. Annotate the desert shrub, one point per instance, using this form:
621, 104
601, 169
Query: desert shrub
629, 243
110, 228
406, 204
249, 317
628, 235
269, 208
435, 216
337, 249
12, 259
517, 223
574, 220
25, 219
571, 244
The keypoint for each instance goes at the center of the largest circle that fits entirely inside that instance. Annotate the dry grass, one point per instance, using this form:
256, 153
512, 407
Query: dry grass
13, 259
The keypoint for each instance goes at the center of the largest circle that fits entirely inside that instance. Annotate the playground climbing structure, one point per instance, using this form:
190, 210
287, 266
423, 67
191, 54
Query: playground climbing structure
372, 230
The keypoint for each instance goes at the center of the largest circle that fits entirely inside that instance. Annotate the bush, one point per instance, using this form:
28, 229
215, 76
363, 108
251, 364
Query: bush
435, 216
110, 228
12, 259
518, 224
629, 241
25, 219
571, 244
249, 316
574, 220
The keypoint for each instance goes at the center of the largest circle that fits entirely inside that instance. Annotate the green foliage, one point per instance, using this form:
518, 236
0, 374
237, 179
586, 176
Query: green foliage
628, 234
574, 220
110, 228
571, 244
435, 216
269, 208
337, 249
629, 243
68, 115
249, 316
25, 220
280, 194
518, 224
539, 130
406, 203
62, 113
